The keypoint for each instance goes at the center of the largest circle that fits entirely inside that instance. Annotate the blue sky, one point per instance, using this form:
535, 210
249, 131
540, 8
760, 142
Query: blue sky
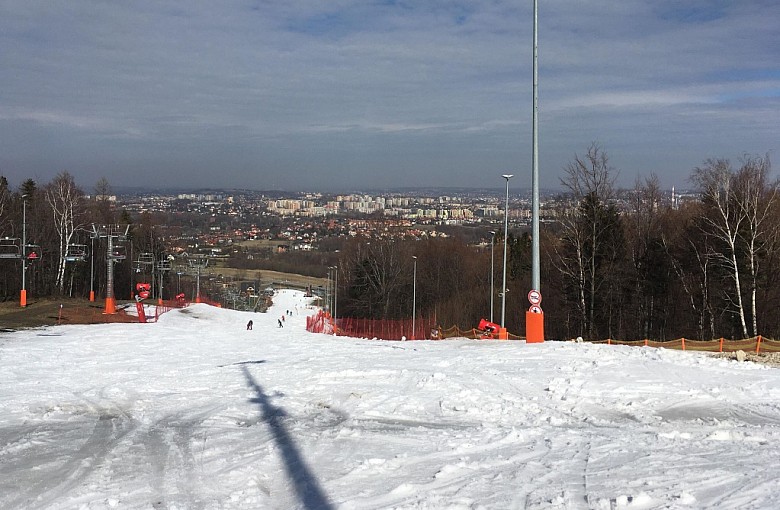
341, 94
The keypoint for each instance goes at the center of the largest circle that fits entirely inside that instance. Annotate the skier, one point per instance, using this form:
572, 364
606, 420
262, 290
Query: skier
280, 323
249, 325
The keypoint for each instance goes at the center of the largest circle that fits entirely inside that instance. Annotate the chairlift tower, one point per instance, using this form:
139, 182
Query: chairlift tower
162, 267
198, 264
114, 252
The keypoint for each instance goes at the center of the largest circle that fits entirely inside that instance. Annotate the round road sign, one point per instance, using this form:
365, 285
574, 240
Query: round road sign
534, 297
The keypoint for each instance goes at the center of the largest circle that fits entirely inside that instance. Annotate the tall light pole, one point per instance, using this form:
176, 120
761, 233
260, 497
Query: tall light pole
506, 232
335, 292
92, 269
414, 296
492, 287
23, 293
534, 318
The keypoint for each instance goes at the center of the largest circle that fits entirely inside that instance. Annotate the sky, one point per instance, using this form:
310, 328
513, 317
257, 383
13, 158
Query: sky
197, 412
334, 95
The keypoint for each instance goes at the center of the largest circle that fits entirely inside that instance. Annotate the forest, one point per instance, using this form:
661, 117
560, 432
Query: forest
628, 269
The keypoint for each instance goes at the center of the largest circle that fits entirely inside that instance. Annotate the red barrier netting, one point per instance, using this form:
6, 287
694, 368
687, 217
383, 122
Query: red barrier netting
425, 328
388, 329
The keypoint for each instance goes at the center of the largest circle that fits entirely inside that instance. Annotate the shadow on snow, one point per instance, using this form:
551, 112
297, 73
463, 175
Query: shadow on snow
306, 486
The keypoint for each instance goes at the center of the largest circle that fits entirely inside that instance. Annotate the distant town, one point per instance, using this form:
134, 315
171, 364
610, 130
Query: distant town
301, 219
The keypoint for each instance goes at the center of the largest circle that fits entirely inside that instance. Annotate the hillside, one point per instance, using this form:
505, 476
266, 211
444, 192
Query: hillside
196, 411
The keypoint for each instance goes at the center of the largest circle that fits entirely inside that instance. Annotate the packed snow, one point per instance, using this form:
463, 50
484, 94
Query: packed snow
197, 412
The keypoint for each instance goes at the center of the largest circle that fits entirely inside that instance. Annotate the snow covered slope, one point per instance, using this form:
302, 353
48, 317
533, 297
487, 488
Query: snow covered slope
197, 412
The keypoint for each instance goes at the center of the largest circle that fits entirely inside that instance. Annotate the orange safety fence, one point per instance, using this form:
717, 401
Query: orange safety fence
755, 344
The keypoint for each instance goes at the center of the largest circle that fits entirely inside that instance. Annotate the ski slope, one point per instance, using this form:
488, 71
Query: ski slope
196, 412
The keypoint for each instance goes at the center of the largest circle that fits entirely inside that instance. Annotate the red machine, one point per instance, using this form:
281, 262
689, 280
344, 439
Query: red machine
143, 290
489, 329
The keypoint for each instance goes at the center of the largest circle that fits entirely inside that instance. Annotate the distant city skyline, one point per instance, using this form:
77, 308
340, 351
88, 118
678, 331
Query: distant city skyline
340, 95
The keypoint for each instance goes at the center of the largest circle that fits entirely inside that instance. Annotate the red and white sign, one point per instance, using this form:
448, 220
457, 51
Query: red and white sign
535, 309
534, 297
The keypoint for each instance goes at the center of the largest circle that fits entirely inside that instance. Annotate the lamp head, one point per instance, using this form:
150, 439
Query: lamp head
508, 176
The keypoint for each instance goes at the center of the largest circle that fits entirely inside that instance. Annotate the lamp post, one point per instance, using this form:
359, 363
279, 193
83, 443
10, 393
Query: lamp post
23, 293
492, 291
414, 296
506, 232
335, 293
92, 270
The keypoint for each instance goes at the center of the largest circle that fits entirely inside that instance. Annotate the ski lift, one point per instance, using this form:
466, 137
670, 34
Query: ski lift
164, 265
10, 248
76, 253
118, 252
144, 263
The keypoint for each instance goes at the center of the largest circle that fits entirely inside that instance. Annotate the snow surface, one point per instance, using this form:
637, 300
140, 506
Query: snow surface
196, 412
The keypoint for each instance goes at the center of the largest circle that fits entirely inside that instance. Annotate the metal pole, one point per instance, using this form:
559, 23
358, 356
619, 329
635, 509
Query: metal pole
414, 296
535, 279
335, 293
23, 294
506, 232
327, 292
492, 287
92, 269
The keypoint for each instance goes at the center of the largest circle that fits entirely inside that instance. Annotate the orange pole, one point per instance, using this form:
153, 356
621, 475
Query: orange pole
609, 341
645, 342
758, 344
91, 296
721, 344
502, 334
683, 343
23, 298
534, 327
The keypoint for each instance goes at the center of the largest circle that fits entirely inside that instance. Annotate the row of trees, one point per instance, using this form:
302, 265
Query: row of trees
58, 215
637, 267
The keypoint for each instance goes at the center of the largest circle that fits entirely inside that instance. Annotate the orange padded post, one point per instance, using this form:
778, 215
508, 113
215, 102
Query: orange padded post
534, 327
503, 334
23, 298
110, 305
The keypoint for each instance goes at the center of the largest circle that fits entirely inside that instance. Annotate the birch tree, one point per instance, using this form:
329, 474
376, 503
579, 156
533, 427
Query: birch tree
723, 219
64, 198
756, 201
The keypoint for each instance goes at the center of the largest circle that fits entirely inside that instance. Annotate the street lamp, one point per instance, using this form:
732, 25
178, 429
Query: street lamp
506, 232
414, 296
492, 291
335, 293
23, 293
92, 269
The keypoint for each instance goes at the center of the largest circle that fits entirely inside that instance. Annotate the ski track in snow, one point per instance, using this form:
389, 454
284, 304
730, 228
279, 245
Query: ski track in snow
195, 412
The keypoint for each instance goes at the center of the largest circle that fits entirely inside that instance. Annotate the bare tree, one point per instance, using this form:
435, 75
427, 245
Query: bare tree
64, 198
590, 181
756, 201
723, 219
